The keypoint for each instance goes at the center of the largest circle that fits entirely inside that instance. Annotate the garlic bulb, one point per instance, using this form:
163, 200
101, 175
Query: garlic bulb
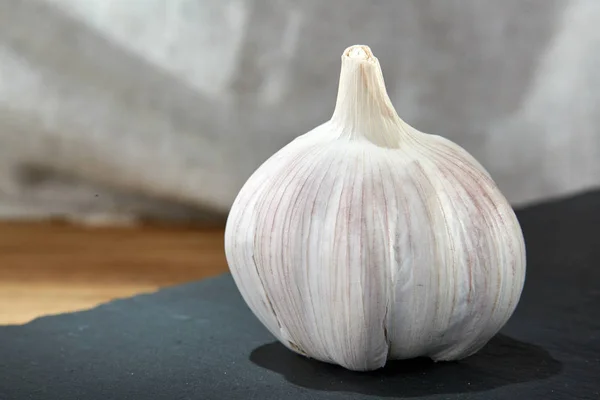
365, 240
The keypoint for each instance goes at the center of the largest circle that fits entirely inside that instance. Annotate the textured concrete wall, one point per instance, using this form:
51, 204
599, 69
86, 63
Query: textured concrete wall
110, 109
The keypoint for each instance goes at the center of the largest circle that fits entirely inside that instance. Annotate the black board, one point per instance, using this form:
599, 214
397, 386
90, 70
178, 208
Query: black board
200, 341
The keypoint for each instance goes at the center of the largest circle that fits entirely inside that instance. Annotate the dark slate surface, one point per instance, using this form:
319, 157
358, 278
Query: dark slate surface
199, 341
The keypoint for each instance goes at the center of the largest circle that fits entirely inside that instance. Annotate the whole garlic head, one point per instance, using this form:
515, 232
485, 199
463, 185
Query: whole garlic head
365, 240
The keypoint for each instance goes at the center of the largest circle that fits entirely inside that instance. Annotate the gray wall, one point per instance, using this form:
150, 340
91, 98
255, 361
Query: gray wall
112, 109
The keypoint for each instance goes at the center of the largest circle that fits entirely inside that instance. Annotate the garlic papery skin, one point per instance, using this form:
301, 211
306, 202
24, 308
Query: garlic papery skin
366, 240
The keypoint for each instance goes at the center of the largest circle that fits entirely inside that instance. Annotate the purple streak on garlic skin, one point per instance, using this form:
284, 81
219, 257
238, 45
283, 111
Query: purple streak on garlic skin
366, 240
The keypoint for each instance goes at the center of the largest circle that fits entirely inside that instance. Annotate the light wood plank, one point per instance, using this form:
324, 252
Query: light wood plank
52, 268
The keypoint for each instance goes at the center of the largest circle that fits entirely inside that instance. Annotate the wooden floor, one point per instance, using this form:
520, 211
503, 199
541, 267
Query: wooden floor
51, 268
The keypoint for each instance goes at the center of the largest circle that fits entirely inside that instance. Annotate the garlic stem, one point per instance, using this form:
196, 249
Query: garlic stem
363, 108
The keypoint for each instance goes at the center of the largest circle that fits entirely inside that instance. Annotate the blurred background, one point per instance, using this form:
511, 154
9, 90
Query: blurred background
136, 122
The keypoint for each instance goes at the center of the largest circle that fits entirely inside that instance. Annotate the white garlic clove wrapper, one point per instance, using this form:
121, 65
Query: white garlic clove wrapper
365, 240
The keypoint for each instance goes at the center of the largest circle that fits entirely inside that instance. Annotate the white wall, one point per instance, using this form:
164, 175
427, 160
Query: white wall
111, 108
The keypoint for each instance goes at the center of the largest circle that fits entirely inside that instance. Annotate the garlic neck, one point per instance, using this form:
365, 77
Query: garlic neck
363, 108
